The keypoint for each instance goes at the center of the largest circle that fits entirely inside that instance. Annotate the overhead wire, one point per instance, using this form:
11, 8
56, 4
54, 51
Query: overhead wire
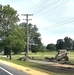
45, 9
34, 7
60, 23
40, 14
46, 6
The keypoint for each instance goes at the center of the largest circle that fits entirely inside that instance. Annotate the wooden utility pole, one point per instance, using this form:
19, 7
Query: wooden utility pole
27, 15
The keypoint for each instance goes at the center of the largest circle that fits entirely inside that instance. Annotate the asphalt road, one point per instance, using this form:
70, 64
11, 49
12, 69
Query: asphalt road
7, 70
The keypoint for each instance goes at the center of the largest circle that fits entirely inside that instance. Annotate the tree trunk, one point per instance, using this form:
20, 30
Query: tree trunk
10, 55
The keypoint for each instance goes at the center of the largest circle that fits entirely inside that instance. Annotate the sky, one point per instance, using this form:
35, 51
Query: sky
54, 18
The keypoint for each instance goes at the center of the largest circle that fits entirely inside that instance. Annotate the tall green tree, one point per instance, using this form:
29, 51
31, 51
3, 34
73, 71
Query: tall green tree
8, 18
34, 36
68, 43
16, 41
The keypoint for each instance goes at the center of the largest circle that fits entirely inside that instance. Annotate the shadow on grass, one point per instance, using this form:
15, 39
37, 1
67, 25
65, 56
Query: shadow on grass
55, 69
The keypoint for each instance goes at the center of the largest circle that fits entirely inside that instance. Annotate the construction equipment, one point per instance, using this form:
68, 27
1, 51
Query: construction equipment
62, 55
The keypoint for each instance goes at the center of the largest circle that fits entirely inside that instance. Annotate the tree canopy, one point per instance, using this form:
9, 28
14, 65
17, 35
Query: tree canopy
51, 47
16, 40
8, 20
66, 43
34, 36
13, 35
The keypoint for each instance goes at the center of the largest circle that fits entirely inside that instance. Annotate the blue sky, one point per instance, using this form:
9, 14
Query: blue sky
54, 18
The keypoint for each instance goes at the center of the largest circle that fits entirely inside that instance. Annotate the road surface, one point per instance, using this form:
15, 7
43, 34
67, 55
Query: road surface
7, 70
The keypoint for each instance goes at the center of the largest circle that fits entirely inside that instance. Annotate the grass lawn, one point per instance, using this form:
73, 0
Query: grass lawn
38, 66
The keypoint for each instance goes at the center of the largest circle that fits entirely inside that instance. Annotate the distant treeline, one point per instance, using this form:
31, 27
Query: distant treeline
66, 43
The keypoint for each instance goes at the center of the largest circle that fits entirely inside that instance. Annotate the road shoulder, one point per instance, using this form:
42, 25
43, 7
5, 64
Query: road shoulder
24, 69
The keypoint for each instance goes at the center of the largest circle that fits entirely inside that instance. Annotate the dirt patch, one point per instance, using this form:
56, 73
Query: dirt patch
61, 69
57, 68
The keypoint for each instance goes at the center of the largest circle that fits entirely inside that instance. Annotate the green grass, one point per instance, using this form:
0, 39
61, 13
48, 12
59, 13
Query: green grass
38, 66
41, 55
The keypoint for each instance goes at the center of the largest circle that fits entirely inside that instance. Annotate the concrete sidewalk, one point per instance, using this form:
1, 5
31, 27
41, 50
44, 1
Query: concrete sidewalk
24, 69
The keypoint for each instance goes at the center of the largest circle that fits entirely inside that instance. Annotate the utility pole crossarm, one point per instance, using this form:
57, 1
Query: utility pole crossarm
27, 14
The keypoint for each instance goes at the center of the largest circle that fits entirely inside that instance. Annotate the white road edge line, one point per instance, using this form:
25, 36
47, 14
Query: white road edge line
6, 71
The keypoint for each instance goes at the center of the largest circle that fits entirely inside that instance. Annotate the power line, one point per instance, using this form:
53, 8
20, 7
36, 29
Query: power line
49, 4
41, 2
38, 15
60, 24
38, 7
